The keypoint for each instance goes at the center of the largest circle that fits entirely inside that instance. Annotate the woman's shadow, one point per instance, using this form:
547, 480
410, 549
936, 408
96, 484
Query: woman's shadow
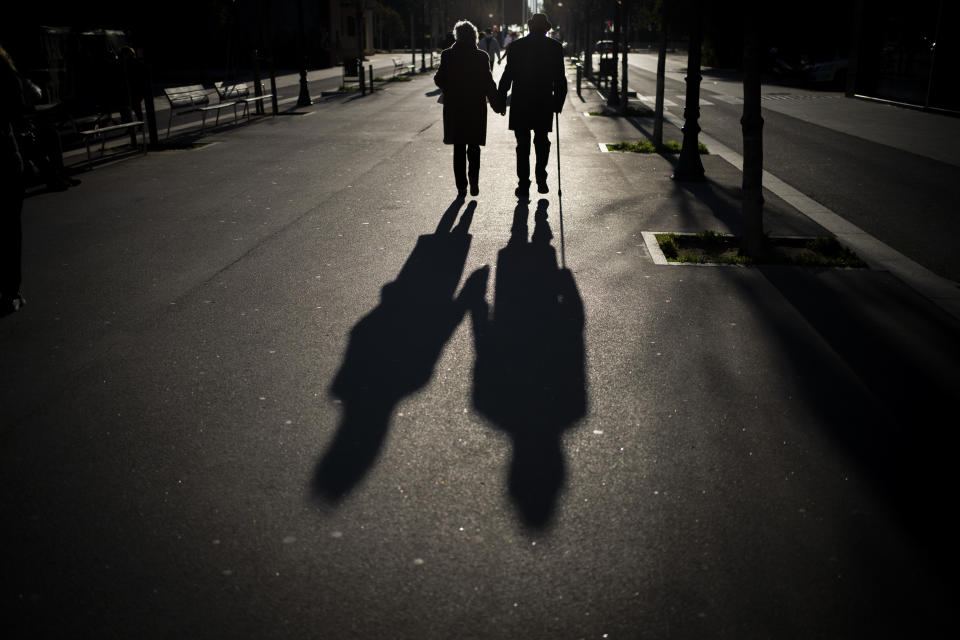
393, 349
529, 377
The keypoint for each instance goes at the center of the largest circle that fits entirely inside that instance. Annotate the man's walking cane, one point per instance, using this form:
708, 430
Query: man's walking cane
563, 257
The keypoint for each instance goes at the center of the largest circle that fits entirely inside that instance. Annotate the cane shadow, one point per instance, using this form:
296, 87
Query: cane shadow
529, 377
392, 350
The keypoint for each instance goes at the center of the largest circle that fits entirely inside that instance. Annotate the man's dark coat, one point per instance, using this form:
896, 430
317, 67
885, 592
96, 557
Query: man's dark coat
535, 69
465, 79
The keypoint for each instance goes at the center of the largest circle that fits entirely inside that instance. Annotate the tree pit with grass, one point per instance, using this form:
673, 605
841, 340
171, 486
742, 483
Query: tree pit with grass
711, 247
646, 146
633, 111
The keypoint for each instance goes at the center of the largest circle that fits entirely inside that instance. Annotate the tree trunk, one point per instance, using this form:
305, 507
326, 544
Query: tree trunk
689, 167
661, 76
624, 40
613, 95
752, 125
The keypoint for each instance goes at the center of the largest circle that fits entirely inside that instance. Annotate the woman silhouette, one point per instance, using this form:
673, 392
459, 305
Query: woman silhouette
465, 79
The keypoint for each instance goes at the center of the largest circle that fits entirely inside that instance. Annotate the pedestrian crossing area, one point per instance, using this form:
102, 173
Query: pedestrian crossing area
713, 98
681, 100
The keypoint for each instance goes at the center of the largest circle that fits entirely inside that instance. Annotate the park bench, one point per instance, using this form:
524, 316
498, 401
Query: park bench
352, 68
239, 94
101, 132
191, 98
400, 65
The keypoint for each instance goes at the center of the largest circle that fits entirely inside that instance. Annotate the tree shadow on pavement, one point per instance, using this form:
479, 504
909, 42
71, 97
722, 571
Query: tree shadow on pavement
904, 351
392, 350
529, 377
722, 203
722, 200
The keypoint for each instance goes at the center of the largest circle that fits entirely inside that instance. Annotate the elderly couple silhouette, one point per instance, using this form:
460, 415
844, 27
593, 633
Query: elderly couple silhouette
529, 376
534, 71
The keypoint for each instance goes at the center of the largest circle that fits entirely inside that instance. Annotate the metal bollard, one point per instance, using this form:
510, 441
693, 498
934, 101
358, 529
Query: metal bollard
579, 79
371, 78
257, 85
273, 88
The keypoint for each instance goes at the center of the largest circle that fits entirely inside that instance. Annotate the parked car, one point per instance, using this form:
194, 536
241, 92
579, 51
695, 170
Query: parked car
833, 72
803, 68
607, 46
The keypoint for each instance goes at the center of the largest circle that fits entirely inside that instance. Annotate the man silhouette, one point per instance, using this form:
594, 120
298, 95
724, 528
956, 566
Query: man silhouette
535, 71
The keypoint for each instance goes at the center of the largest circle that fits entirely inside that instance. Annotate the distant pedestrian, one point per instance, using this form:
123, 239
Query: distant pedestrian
507, 39
490, 44
11, 186
134, 77
467, 85
535, 71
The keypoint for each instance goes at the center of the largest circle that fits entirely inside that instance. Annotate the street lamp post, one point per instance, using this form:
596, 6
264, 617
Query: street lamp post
562, 24
689, 165
423, 40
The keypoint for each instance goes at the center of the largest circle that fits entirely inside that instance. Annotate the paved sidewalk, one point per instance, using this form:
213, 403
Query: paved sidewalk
282, 385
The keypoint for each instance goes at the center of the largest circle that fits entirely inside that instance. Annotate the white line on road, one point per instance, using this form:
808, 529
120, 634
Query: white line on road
703, 103
725, 98
652, 101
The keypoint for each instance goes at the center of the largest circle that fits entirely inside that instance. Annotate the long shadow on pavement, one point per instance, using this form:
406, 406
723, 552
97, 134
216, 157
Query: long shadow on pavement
529, 377
392, 350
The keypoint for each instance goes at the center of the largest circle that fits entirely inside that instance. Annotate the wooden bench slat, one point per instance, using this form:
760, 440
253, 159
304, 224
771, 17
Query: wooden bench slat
113, 127
100, 131
192, 98
232, 91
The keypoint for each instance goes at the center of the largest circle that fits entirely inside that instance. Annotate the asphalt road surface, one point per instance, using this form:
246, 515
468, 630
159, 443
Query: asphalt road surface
280, 384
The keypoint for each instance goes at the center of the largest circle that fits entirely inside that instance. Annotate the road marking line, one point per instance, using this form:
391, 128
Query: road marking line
652, 100
703, 103
728, 99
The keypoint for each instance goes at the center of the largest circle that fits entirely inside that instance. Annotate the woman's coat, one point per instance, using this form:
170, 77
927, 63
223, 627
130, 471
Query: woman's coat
465, 79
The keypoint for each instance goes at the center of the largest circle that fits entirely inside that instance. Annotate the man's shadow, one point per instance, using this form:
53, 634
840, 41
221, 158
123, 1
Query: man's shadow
393, 349
529, 377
